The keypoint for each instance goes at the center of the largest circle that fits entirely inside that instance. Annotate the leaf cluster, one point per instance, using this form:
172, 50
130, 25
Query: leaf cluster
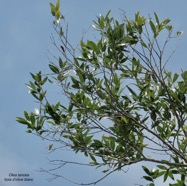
122, 103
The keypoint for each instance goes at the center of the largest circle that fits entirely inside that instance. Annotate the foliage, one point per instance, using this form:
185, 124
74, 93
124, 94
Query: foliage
122, 106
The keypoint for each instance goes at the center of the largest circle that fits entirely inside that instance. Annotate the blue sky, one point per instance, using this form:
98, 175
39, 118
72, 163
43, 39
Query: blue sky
24, 41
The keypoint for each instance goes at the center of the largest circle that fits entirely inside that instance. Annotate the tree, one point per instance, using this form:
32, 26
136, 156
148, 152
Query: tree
122, 104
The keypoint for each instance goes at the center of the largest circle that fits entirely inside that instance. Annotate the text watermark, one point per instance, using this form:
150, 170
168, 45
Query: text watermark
13, 177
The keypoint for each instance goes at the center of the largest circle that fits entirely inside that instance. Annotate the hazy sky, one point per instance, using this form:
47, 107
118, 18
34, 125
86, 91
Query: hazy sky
26, 26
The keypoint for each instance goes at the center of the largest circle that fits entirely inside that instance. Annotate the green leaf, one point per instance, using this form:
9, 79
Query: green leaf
22, 121
54, 68
108, 13
42, 95
44, 80
157, 20
58, 5
166, 176
61, 33
57, 15
88, 139
148, 178
169, 27
75, 83
53, 9
170, 174
143, 44
93, 158
50, 147
32, 87
112, 144
155, 174
161, 173
29, 131
56, 107
179, 33
97, 144
151, 184
26, 115
104, 171
146, 170
92, 45
81, 77
35, 96
162, 167
153, 28
153, 115
132, 91
165, 22
175, 172
61, 64
32, 119
101, 22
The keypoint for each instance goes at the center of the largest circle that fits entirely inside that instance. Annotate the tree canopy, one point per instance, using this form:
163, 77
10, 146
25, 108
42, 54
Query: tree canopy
119, 104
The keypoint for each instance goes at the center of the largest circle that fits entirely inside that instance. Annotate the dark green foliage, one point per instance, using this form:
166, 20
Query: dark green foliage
119, 103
